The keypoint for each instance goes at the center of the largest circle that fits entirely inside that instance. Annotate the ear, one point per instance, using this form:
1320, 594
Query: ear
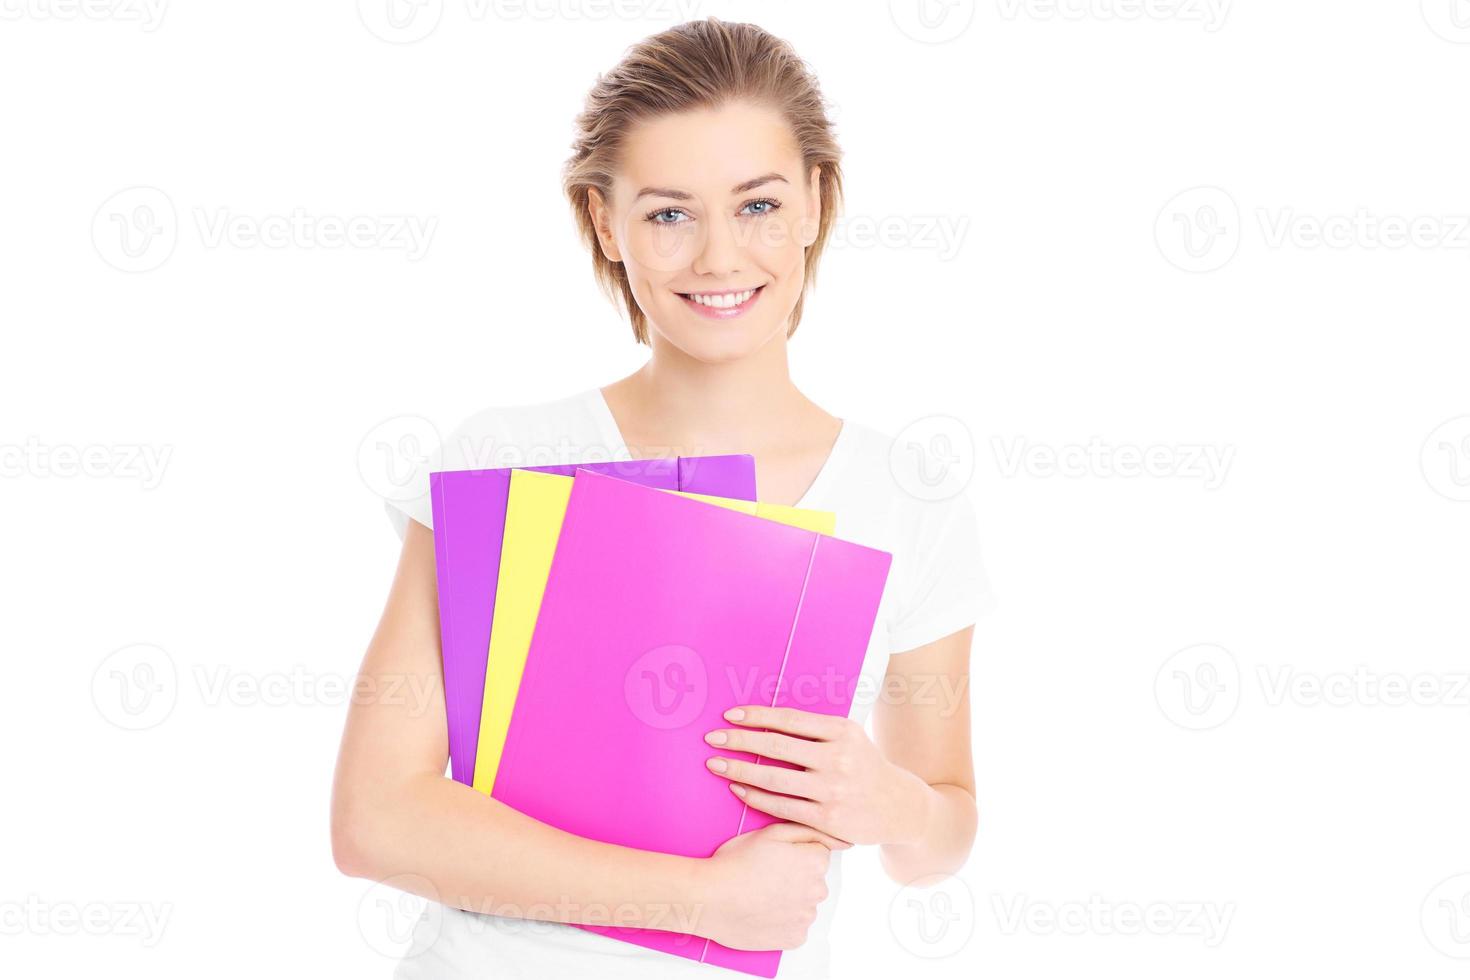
811, 218
601, 214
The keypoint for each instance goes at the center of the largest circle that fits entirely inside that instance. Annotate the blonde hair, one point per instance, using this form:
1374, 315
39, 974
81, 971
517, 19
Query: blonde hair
701, 64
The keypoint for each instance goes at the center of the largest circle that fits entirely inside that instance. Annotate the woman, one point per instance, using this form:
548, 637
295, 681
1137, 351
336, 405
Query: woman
705, 181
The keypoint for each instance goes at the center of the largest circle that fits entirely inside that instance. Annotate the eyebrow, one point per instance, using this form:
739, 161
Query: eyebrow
741, 188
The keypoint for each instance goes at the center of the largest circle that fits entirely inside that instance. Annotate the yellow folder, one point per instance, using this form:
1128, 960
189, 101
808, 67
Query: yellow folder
533, 517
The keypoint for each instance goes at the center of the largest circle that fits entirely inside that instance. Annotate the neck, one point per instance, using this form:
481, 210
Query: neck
686, 402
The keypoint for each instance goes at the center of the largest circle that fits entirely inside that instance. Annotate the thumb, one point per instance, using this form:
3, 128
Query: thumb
800, 833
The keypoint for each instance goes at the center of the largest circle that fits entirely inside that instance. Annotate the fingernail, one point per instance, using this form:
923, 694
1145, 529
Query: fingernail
735, 714
718, 765
715, 738
737, 789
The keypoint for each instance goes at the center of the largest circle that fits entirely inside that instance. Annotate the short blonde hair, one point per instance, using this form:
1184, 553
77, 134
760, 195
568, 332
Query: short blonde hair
701, 64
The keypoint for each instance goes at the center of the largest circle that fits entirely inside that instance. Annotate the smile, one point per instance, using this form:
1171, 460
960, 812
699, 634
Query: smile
722, 306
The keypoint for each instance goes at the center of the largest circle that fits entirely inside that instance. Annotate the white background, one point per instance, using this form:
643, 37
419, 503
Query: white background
1048, 273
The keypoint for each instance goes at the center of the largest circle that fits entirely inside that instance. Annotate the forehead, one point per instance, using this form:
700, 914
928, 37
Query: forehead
707, 151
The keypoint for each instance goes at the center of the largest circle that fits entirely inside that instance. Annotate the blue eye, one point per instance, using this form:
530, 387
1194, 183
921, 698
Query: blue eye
654, 216
771, 207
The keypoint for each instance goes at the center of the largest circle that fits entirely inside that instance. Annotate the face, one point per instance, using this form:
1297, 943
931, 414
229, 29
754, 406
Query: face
711, 216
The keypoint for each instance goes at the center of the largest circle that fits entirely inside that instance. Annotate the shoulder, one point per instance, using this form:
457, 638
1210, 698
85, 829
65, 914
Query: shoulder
910, 477
529, 434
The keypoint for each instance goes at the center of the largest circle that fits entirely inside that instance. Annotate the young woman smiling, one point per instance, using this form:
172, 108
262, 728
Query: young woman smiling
705, 182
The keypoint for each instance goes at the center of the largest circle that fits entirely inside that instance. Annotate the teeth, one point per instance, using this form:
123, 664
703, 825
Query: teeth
722, 300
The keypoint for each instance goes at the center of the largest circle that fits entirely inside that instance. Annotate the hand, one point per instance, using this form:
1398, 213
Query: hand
767, 884
846, 787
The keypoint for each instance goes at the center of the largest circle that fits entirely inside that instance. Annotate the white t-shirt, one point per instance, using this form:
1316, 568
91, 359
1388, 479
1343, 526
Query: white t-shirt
936, 586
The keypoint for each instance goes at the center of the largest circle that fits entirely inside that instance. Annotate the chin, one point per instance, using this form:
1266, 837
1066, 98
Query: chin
714, 344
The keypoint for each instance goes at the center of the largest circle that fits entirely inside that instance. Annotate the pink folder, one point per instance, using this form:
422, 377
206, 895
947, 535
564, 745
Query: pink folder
660, 613
469, 523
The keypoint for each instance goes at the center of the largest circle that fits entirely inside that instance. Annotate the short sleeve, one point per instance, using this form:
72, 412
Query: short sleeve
408, 498
941, 583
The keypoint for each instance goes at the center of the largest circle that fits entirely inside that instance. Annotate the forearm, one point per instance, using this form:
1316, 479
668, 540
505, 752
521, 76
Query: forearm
938, 835
457, 846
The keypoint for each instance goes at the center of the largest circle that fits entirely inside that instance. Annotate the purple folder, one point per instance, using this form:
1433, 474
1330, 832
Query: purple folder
469, 524
660, 613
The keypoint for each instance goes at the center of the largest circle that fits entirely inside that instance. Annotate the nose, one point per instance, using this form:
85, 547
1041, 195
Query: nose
721, 249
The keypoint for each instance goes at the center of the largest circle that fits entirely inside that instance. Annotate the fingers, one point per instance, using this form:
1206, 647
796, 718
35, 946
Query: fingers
792, 721
770, 745
782, 807
800, 833
778, 779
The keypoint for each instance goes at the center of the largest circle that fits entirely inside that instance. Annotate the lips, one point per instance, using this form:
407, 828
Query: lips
722, 305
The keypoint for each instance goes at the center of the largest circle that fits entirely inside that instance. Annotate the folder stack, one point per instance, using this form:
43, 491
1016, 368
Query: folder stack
597, 620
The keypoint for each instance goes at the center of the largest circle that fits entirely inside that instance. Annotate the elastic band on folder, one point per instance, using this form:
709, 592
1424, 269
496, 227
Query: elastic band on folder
780, 676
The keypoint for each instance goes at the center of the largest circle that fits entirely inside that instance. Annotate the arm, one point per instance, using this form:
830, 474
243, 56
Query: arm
394, 812
910, 790
926, 733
